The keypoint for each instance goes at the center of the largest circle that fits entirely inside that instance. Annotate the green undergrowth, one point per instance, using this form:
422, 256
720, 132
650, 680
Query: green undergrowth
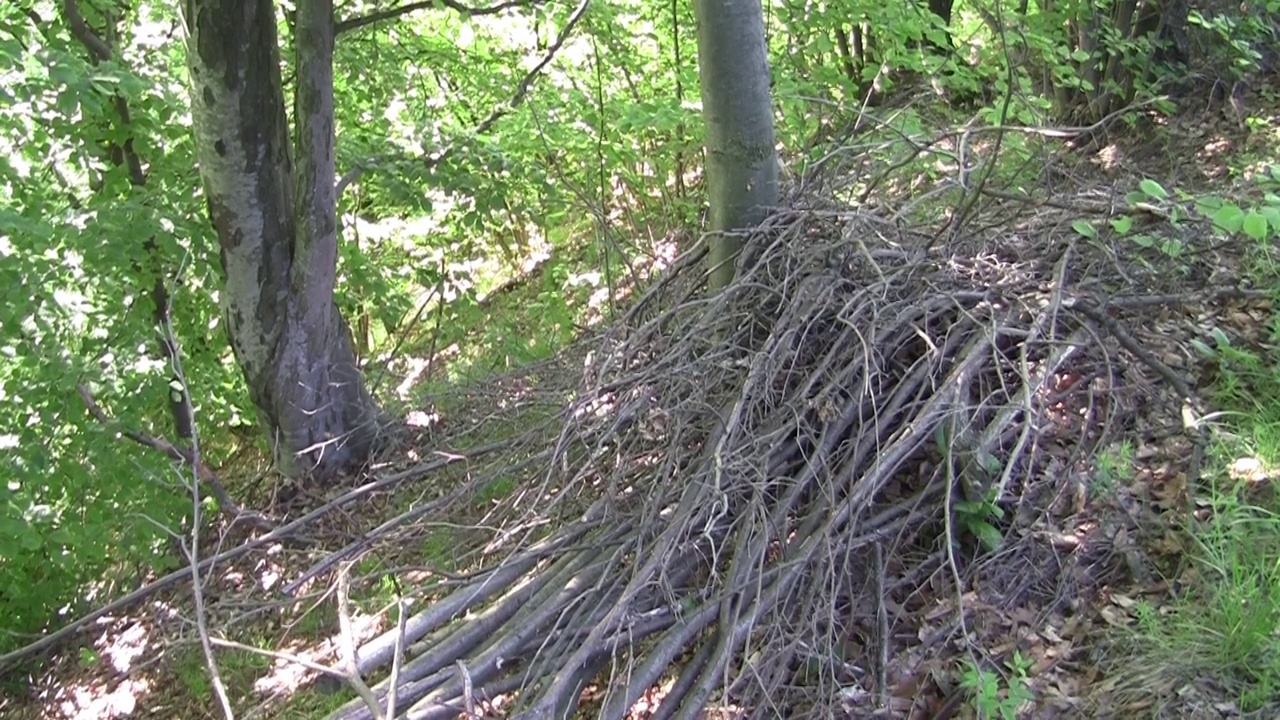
236, 668
311, 703
1224, 623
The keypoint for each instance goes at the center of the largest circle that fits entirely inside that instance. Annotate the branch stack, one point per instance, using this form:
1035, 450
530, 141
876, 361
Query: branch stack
741, 483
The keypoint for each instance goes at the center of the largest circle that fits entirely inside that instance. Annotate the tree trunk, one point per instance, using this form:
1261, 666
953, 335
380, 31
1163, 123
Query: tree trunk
942, 10
742, 162
277, 227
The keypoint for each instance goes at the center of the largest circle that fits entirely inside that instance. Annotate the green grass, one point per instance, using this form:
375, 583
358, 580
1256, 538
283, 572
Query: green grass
310, 703
1226, 625
1113, 467
496, 489
238, 669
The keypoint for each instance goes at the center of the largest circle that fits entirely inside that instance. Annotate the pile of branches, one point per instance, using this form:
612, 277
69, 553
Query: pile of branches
745, 479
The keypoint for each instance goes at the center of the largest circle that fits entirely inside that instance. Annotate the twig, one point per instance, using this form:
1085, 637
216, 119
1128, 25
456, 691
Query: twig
197, 582
279, 655
397, 660
464, 10
200, 471
351, 665
882, 627
468, 695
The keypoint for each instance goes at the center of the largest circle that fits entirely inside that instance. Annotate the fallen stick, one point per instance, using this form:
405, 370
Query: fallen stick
282, 532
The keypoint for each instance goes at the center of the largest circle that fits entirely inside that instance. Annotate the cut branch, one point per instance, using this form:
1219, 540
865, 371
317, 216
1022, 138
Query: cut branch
744, 461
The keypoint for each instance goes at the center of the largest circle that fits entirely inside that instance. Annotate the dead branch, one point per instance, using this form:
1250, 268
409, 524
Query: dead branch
185, 456
192, 548
281, 533
728, 466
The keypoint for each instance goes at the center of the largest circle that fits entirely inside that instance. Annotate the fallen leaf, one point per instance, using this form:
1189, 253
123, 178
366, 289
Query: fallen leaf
1124, 601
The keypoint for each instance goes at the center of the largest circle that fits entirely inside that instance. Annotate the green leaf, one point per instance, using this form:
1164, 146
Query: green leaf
1255, 226
1085, 229
1203, 348
1229, 217
987, 534
1206, 205
1153, 189
1122, 224
31, 540
1080, 55
1272, 214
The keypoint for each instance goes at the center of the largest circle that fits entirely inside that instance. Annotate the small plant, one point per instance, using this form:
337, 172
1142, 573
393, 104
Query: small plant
1247, 383
993, 696
978, 518
1151, 198
1258, 221
1113, 466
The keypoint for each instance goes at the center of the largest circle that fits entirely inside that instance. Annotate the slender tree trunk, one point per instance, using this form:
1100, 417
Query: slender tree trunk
276, 226
848, 63
677, 68
942, 10
742, 162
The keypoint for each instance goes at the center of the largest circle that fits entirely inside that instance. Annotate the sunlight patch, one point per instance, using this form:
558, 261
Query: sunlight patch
93, 701
287, 676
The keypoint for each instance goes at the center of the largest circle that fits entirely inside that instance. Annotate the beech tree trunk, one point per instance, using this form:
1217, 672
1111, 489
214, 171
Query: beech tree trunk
273, 208
742, 162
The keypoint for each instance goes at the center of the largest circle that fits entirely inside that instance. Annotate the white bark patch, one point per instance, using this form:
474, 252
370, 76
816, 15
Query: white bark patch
231, 187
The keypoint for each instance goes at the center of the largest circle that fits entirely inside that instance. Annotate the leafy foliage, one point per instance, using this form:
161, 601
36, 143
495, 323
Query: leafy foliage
989, 699
453, 194
75, 276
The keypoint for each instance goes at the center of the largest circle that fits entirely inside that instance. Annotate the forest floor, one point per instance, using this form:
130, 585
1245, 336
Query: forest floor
1116, 575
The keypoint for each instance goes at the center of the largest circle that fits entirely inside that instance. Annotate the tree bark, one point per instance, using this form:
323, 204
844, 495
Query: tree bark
277, 228
742, 162
942, 10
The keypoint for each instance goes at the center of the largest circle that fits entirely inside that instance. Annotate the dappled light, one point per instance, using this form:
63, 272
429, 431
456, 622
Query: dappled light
639, 360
